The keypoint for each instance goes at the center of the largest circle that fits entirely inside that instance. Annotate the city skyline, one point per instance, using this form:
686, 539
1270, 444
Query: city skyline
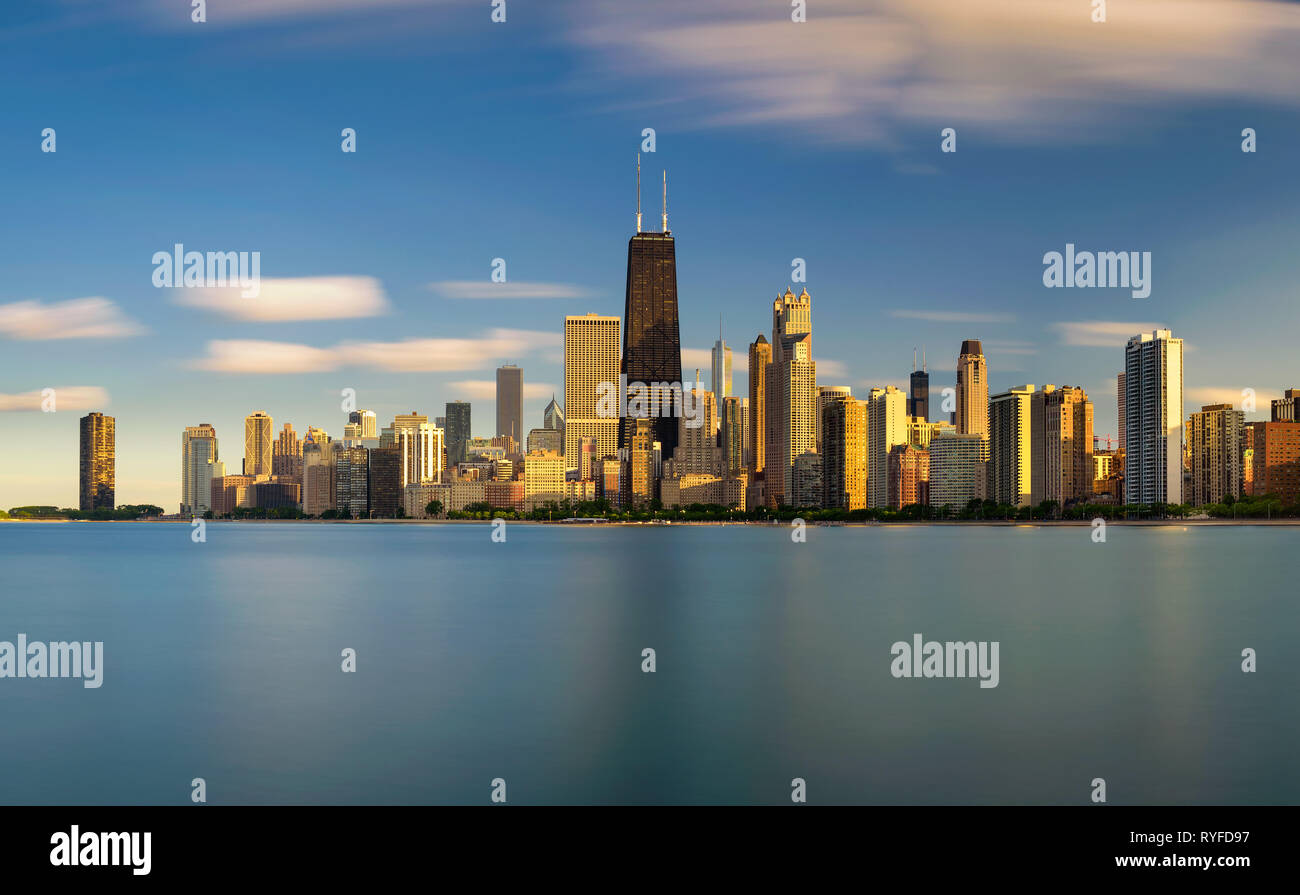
382, 282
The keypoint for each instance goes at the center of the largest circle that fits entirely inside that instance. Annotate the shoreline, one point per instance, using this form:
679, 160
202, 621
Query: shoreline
996, 523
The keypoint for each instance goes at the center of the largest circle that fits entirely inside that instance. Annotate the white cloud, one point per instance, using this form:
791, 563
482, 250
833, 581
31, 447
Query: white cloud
489, 290
1016, 69
78, 318
254, 356
407, 356
830, 369
954, 316
66, 397
300, 298
1101, 333
486, 389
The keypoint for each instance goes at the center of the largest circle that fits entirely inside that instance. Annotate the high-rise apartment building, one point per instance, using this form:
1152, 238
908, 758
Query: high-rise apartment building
1061, 463
352, 482
98, 465
367, 424
257, 444
760, 356
419, 447
1153, 419
199, 461
1286, 409
826, 394
909, 476
886, 427
733, 435
543, 478
955, 460
1119, 388
697, 447
458, 431
385, 470
1214, 443
510, 402
591, 358
791, 394
317, 476
1277, 460
844, 453
637, 477
286, 453
972, 390
1010, 452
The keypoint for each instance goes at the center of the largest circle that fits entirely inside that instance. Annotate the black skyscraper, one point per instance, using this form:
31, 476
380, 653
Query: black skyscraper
652, 347
919, 404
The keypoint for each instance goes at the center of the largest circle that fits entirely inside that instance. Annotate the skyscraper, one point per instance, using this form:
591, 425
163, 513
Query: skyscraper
1286, 409
721, 370
844, 452
1214, 440
98, 470
1119, 390
652, 348
553, 417
286, 453
972, 390
886, 427
760, 356
1153, 418
955, 460
791, 393
198, 467
918, 403
590, 359
419, 447
257, 443
365, 422
733, 435
697, 447
510, 402
457, 431
826, 394
1061, 461
1010, 453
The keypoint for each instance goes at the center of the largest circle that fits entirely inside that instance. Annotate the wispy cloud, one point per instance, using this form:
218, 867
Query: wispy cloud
406, 356
254, 356
1012, 70
1101, 333
476, 289
66, 397
703, 358
953, 316
299, 298
486, 389
78, 318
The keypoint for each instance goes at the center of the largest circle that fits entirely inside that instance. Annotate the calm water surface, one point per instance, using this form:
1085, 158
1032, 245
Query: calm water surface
522, 660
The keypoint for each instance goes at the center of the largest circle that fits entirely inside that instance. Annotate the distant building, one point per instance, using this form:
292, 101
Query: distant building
286, 454
1010, 452
98, 469
199, 465
510, 402
543, 478
1061, 452
918, 402
385, 471
733, 435
317, 477
1153, 426
553, 417
844, 452
352, 482
807, 476
458, 431
1276, 460
954, 461
1214, 444
419, 446
230, 491
909, 476
791, 395
591, 357
760, 356
721, 372
825, 395
972, 390
546, 440
257, 444
886, 427
1286, 409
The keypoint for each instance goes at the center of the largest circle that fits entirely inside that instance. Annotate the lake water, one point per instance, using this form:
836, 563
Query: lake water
522, 660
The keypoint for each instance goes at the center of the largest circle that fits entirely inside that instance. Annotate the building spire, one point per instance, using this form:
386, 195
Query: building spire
922, 358
665, 201
913, 357
638, 192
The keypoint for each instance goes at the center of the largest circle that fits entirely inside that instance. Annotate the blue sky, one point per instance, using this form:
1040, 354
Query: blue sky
478, 140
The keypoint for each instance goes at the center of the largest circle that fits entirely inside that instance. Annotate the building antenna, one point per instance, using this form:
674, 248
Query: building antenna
922, 358
665, 201
913, 357
638, 192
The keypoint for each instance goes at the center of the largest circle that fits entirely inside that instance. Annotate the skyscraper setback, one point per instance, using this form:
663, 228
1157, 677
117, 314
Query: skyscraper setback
652, 348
